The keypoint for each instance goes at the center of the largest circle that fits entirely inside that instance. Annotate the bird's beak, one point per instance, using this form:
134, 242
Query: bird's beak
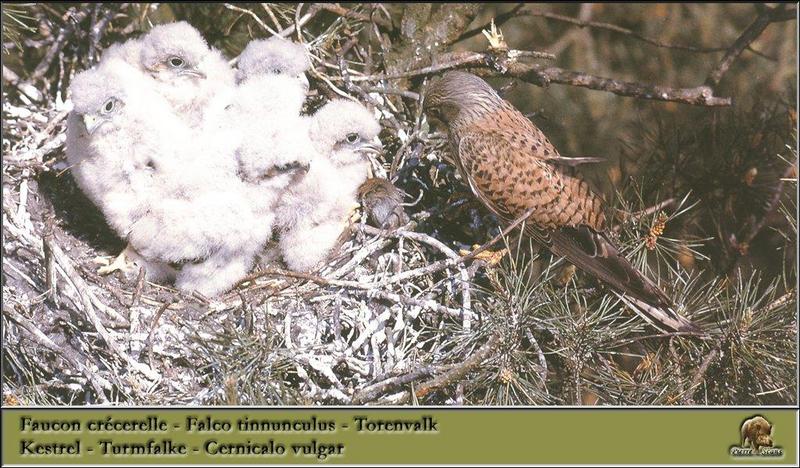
370, 147
304, 80
192, 72
91, 122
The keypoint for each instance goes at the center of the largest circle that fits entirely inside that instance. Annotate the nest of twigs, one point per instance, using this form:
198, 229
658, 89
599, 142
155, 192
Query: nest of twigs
401, 316
340, 335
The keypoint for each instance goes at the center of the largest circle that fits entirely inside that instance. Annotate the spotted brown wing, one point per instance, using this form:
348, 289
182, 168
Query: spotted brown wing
506, 173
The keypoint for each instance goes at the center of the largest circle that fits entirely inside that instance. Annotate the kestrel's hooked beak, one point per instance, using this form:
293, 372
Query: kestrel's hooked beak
304, 80
92, 122
367, 148
192, 72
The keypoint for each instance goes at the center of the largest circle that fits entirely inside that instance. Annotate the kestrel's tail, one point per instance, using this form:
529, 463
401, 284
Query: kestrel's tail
661, 317
593, 252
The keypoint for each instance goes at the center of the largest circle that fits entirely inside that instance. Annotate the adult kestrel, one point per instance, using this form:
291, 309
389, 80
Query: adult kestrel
511, 167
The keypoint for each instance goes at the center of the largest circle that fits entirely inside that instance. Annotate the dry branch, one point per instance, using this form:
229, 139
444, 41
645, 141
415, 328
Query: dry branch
98, 385
750, 34
506, 63
456, 372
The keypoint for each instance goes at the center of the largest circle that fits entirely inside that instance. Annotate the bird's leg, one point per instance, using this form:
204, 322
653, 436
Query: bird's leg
353, 215
120, 263
491, 257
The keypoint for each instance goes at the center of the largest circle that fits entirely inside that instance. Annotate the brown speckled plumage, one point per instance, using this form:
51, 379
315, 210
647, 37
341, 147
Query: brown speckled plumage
512, 167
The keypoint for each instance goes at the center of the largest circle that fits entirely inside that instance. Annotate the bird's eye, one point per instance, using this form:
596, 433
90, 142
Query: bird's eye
276, 71
353, 138
109, 106
176, 62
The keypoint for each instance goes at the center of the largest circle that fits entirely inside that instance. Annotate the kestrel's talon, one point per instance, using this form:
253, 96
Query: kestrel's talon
491, 257
353, 214
120, 263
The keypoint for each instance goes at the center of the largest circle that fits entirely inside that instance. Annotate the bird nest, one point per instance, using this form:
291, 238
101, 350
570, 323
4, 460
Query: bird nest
352, 332
396, 316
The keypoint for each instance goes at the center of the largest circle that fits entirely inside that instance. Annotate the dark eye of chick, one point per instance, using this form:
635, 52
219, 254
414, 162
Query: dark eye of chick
276, 71
108, 106
176, 62
353, 138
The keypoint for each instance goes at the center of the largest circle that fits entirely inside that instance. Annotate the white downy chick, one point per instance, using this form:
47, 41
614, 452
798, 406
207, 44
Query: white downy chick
313, 213
271, 85
129, 52
264, 122
110, 146
114, 147
193, 77
271, 57
134, 158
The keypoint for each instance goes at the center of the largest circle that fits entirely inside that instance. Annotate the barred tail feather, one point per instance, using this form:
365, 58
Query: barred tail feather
664, 320
592, 252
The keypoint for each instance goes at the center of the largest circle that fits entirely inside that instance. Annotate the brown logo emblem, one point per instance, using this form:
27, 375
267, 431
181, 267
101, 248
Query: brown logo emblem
756, 439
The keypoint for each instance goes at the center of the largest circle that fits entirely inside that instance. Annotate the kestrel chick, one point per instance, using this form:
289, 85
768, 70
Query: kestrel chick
507, 162
263, 116
193, 77
111, 153
383, 203
312, 214
263, 124
138, 162
274, 56
114, 150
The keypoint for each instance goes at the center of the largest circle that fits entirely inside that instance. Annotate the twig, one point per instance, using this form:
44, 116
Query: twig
771, 204
299, 23
517, 12
398, 92
498, 21
25, 88
156, 318
776, 304
346, 13
58, 44
446, 62
541, 76
750, 34
137, 292
357, 89
619, 30
376, 390
450, 262
633, 217
701, 371
540, 356
425, 304
424, 238
98, 28
82, 289
456, 372
51, 280
255, 17
505, 63
43, 340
